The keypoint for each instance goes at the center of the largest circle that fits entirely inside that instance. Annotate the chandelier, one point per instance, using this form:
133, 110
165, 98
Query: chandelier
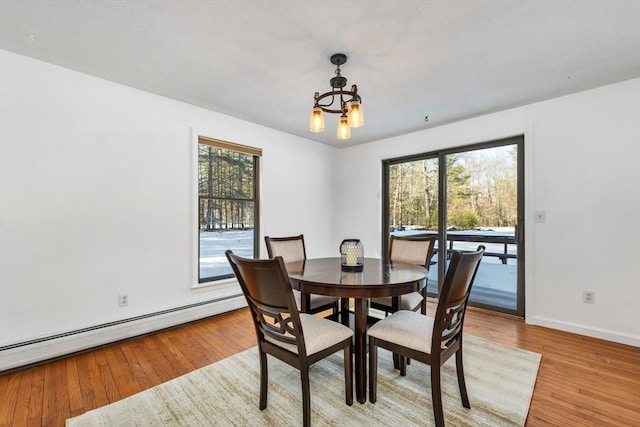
347, 103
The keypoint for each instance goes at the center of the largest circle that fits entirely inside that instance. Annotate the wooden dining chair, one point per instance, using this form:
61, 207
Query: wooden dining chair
298, 339
292, 249
412, 250
430, 340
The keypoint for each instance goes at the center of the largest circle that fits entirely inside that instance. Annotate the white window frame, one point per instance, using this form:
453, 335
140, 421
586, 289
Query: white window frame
197, 139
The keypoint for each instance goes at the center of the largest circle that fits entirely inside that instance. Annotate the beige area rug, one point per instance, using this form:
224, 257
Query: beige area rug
500, 383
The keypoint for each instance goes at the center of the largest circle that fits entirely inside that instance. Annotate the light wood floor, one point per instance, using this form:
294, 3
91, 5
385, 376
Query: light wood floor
582, 381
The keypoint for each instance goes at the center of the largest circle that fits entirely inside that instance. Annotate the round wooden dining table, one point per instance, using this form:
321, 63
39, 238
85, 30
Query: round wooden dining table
379, 278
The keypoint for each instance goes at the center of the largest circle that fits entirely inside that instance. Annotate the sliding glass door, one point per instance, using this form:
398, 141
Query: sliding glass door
466, 196
412, 205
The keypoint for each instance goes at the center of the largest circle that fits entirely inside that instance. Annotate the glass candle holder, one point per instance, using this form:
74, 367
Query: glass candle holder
352, 255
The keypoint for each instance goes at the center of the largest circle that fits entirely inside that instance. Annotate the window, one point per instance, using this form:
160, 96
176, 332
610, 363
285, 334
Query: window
227, 205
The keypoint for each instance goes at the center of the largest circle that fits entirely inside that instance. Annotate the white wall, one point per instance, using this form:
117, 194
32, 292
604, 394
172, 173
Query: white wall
96, 199
582, 155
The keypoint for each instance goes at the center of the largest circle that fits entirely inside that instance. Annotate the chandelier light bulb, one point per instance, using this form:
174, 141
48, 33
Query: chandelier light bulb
316, 122
344, 131
356, 118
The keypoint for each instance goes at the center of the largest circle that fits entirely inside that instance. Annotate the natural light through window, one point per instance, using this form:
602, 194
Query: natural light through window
227, 205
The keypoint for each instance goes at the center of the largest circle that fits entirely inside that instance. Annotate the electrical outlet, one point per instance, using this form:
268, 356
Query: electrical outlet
123, 300
588, 297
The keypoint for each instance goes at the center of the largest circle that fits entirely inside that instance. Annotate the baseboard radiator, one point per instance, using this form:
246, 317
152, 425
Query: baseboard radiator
26, 353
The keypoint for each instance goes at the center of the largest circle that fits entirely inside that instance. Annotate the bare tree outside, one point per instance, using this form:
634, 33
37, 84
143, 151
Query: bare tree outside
481, 191
226, 208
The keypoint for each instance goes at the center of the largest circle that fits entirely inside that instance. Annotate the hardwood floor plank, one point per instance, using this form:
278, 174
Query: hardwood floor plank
23, 398
211, 353
596, 408
76, 405
157, 361
123, 375
94, 393
36, 397
145, 361
581, 382
9, 397
177, 358
586, 381
132, 362
55, 405
110, 386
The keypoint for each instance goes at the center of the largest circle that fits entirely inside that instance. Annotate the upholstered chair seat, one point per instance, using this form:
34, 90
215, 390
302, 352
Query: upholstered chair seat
406, 328
319, 334
410, 301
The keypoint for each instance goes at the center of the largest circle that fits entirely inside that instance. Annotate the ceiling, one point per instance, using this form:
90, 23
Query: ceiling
263, 60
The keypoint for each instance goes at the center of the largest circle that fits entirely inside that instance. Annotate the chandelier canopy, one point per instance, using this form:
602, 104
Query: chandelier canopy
347, 103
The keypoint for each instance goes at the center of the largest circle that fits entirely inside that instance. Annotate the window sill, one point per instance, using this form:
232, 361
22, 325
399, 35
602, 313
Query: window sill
231, 282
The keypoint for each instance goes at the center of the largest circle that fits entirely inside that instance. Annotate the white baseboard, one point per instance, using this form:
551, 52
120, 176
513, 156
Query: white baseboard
575, 328
32, 353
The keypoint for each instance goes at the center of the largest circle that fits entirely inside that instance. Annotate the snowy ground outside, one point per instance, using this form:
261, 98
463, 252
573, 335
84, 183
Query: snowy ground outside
213, 244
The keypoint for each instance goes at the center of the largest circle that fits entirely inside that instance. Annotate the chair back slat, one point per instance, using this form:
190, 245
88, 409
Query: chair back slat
453, 320
280, 328
454, 297
291, 249
266, 287
412, 250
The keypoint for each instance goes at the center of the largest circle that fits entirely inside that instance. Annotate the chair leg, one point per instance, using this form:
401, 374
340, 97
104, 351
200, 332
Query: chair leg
436, 395
461, 382
348, 374
264, 380
396, 361
306, 397
373, 370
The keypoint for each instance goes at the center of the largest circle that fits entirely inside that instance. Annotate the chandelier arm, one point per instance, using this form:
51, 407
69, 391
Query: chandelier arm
324, 107
317, 103
329, 110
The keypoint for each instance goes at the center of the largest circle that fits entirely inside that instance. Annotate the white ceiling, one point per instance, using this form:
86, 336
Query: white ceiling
263, 60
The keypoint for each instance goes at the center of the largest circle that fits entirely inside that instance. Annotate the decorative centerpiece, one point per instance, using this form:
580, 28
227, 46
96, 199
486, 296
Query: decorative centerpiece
352, 253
